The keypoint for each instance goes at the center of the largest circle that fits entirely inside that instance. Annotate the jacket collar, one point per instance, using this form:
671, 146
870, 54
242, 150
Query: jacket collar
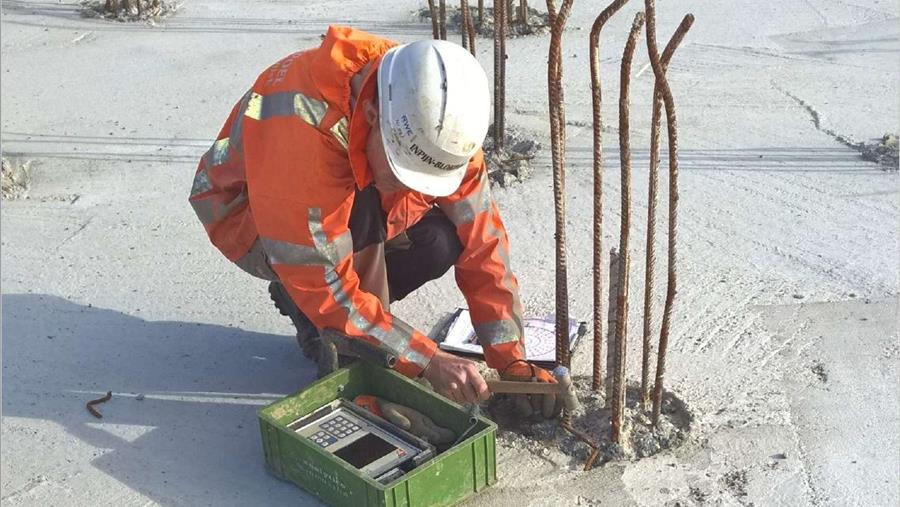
359, 132
343, 53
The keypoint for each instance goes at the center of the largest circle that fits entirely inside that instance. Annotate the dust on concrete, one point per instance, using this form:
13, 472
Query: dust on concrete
538, 23
511, 163
15, 178
544, 438
129, 10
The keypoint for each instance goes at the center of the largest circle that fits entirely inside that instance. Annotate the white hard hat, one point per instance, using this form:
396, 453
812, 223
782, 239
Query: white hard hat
434, 107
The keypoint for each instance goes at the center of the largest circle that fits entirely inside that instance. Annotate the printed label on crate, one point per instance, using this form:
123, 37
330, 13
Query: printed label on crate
317, 475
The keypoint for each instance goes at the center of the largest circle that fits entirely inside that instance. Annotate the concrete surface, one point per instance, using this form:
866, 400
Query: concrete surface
787, 240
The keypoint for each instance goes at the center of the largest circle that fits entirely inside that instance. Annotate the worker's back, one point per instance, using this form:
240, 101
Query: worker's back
278, 189
285, 145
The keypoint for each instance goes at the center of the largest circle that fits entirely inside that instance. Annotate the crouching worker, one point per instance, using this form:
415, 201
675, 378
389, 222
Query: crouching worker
351, 174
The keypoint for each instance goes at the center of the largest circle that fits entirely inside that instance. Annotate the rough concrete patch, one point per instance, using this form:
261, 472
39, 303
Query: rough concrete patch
511, 163
697, 495
538, 22
641, 439
819, 369
128, 10
884, 152
736, 482
16, 178
890, 351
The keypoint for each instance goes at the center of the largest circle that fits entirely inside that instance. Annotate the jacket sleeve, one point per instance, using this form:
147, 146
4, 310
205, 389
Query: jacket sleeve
219, 194
315, 263
483, 271
301, 195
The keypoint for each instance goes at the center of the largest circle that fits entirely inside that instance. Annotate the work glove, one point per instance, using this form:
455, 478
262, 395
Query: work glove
547, 406
408, 419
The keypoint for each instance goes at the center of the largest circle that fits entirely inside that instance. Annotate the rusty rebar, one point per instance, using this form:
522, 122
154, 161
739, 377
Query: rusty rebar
619, 382
504, 13
435, 23
443, 23
672, 126
499, 75
468, 32
655, 122
510, 8
558, 141
565, 424
589, 464
597, 101
557, 67
551, 12
463, 27
480, 13
90, 405
523, 12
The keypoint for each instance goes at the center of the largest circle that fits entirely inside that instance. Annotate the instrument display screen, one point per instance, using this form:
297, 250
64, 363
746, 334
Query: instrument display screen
374, 446
365, 450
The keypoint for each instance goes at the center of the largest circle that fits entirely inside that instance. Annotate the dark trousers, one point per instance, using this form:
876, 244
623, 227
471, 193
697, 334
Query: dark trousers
423, 253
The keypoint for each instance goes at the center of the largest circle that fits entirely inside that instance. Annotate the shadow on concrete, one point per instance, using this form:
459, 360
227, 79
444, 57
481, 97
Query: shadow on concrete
193, 439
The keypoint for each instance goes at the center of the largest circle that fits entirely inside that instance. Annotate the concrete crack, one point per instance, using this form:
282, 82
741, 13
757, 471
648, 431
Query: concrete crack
868, 153
814, 116
76, 233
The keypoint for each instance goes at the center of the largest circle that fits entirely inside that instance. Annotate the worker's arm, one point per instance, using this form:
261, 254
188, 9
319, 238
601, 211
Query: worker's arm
483, 273
301, 196
219, 194
485, 277
317, 270
313, 257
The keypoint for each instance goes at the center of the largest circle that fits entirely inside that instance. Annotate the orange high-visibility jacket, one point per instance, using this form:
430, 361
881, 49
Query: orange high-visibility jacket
284, 170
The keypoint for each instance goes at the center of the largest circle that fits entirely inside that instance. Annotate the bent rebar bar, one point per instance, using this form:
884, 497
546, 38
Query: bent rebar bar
653, 183
596, 103
619, 381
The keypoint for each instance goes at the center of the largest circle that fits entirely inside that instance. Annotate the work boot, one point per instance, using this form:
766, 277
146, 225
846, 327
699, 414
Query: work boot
307, 335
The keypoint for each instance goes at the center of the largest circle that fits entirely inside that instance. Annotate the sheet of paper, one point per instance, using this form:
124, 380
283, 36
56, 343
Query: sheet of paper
540, 337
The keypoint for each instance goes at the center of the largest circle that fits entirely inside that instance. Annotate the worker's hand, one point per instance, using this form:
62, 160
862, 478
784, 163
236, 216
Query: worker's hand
409, 419
526, 405
456, 378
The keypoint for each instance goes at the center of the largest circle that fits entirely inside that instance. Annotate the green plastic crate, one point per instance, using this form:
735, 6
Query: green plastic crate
451, 476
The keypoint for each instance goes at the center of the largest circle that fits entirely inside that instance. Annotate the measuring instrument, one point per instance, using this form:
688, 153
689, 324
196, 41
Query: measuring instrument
374, 446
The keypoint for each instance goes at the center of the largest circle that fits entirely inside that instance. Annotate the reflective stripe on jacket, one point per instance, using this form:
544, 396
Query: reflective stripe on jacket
284, 170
